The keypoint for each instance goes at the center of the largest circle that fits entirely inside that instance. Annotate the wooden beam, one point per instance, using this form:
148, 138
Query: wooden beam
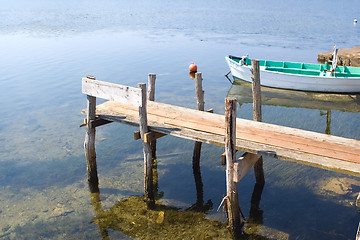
246, 161
111, 91
152, 136
137, 135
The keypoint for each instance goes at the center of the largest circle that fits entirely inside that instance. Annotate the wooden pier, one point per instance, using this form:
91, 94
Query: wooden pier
135, 107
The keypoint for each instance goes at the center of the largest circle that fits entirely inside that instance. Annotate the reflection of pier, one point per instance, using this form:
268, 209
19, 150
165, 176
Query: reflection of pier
296, 99
131, 106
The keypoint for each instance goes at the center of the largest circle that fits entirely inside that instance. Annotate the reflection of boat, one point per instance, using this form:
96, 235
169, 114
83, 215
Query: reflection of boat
299, 76
242, 91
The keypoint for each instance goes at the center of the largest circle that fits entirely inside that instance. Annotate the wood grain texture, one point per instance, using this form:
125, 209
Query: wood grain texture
143, 124
233, 209
243, 165
112, 91
89, 142
292, 144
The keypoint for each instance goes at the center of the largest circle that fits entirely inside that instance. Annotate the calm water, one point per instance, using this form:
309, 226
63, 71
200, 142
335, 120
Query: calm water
47, 47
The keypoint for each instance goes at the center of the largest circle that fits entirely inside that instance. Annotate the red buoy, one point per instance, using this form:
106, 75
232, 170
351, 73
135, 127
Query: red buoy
193, 67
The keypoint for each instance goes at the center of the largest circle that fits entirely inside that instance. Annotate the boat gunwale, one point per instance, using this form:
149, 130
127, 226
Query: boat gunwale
264, 68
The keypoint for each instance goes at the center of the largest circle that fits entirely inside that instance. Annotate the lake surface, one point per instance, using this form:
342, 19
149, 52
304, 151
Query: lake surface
47, 47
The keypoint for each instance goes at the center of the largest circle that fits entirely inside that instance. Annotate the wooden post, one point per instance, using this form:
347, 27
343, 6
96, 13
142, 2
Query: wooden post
255, 77
199, 91
148, 173
233, 209
89, 143
197, 146
151, 97
256, 89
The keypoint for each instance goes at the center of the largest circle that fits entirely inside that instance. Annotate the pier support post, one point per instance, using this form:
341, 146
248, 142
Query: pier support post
148, 172
232, 202
256, 90
89, 143
151, 97
199, 91
197, 146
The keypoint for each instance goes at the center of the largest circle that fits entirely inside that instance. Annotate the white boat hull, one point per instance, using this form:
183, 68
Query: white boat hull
296, 81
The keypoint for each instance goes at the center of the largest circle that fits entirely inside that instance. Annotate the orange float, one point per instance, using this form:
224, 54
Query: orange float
193, 67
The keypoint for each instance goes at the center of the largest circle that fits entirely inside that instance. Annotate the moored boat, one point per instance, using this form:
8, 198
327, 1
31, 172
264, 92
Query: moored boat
298, 76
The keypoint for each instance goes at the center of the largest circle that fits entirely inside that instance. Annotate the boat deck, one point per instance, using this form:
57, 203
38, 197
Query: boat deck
286, 143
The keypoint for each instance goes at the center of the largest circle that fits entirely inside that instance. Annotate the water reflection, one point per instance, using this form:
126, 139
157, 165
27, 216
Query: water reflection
296, 99
324, 102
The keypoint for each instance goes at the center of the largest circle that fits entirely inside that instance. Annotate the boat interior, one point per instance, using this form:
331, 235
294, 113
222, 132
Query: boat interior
302, 68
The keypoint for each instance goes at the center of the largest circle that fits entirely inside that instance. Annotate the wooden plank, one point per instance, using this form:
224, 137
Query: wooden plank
241, 167
243, 145
265, 136
159, 123
270, 131
322, 149
112, 91
252, 124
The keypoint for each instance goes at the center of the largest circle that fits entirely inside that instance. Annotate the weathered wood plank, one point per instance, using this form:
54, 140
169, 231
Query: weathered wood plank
244, 164
158, 122
323, 142
112, 91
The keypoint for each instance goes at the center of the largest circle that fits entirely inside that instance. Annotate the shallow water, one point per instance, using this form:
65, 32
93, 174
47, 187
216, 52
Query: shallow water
48, 47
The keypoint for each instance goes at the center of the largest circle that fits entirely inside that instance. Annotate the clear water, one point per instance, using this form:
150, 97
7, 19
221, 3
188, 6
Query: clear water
47, 47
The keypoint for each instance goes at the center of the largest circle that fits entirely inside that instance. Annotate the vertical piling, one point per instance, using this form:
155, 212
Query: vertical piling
232, 204
148, 173
199, 91
256, 90
255, 78
197, 146
151, 97
89, 143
